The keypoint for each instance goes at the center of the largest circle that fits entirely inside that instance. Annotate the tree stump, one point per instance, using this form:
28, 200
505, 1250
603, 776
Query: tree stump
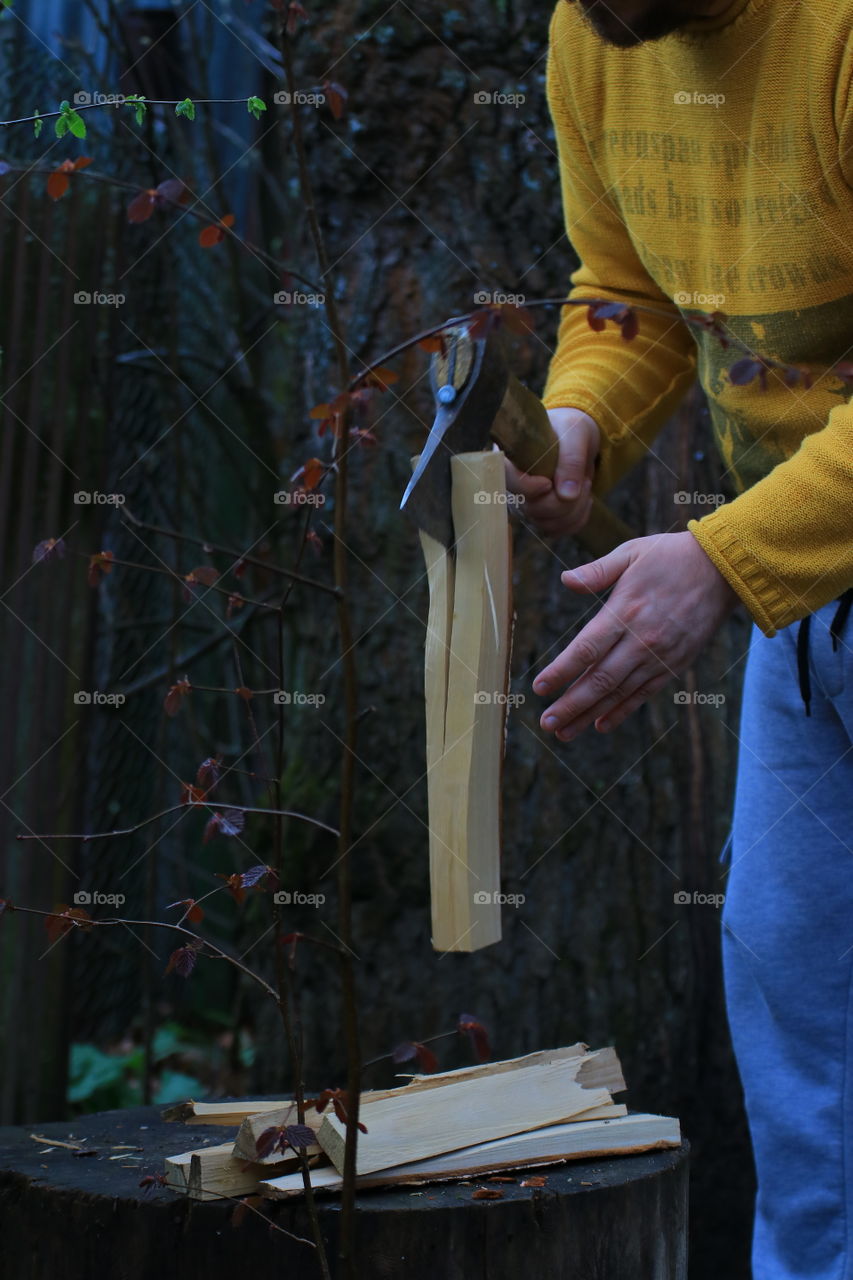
65, 1216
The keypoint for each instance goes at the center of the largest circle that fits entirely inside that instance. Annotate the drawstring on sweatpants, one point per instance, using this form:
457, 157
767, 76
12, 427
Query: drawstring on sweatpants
845, 603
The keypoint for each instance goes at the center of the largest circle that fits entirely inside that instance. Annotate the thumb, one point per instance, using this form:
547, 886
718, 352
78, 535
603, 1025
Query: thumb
598, 575
573, 463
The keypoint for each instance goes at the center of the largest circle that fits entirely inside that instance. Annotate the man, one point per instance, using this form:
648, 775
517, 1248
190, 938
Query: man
706, 150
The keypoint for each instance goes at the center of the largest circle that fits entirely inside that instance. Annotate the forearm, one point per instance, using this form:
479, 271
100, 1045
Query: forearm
785, 545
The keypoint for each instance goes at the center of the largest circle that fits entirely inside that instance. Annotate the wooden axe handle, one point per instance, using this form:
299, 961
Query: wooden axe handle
523, 430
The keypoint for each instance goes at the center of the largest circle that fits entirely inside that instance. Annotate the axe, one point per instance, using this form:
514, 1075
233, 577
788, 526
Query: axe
477, 400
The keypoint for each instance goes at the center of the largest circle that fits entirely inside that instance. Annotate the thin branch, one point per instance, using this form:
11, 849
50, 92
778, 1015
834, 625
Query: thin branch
213, 952
207, 804
237, 556
200, 215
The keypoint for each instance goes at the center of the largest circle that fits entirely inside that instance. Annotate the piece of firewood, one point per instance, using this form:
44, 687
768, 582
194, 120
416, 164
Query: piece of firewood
466, 672
550, 1145
208, 1173
417, 1124
601, 1069
245, 1144
230, 1113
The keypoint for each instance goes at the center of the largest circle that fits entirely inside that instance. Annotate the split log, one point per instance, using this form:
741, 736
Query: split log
410, 1124
466, 670
209, 1173
599, 1068
225, 1113
551, 1145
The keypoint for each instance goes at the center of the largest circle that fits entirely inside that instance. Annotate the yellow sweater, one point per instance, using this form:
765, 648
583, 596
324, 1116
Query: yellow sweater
675, 199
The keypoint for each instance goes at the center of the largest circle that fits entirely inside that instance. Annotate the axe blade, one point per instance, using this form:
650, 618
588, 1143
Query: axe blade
461, 426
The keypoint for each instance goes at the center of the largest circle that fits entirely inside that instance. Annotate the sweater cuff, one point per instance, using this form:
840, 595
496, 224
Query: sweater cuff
766, 601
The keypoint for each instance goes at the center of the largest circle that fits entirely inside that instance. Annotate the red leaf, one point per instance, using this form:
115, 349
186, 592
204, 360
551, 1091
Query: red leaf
482, 322
64, 920
193, 911
49, 549
204, 574
433, 343
380, 378
477, 1034
333, 415
141, 206
182, 961
630, 326
242, 1210
299, 1136
405, 1051
516, 318
174, 699
152, 1180
58, 182
209, 772
227, 822
244, 693
269, 1141
171, 191
427, 1060
593, 320
623, 315
311, 474
234, 885
100, 565
336, 96
233, 603
254, 876
215, 233
191, 794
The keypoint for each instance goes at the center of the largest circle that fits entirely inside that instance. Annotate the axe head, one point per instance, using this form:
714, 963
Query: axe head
469, 380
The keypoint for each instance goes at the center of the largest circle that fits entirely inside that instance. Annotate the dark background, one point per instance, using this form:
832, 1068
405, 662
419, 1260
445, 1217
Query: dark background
192, 398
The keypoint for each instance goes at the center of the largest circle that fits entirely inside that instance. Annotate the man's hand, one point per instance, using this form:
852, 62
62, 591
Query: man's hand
564, 505
667, 601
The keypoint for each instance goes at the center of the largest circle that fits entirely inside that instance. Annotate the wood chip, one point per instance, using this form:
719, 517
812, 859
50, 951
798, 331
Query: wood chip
487, 1193
54, 1142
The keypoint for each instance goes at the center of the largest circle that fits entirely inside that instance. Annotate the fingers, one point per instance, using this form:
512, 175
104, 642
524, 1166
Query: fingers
530, 486
588, 649
599, 575
616, 715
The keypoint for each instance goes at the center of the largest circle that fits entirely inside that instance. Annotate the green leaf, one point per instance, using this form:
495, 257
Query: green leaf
255, 106
38, 123
186, 108
139, 105
92, 1070
175, 1086
69, 119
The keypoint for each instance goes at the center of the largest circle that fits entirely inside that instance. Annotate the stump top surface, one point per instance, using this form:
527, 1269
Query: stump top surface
117, 1173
